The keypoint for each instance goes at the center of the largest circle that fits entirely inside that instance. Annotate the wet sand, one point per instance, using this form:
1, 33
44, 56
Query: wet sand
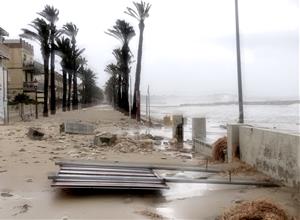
25, 191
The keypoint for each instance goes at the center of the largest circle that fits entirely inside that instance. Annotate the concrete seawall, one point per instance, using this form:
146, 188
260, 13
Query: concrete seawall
272, 152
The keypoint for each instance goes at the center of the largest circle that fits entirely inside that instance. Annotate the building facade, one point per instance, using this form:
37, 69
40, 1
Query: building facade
4, 56
23, 71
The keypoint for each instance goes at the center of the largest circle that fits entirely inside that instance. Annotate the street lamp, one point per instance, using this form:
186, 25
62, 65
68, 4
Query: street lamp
239, 69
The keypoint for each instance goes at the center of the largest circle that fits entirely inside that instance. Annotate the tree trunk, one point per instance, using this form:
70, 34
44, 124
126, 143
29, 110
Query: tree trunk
136, 100
75, 95
69, 91
119, 91
52, 80
46, 85
125, 82
64, 100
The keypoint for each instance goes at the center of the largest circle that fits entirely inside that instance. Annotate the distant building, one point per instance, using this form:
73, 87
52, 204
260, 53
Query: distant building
23, 70
19, 66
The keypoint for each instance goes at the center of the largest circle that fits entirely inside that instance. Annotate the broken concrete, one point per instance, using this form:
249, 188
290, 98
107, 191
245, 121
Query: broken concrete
35, 134
105, 138
77, 128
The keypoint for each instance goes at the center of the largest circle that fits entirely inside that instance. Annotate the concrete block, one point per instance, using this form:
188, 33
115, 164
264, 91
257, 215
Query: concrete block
77, 128
198, 128
106, 138
232, 140
177, 127
35, 134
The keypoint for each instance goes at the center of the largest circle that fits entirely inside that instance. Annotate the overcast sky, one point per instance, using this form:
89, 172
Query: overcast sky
189, 45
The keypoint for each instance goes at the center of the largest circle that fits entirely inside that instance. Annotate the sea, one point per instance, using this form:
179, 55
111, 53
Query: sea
280, 115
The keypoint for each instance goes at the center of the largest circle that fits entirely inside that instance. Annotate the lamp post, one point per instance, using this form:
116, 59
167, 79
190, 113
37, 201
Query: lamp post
239, 69
35, 85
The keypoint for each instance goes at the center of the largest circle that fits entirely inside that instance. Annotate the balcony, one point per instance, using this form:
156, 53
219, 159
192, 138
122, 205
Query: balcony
32, 66
4, 51
29, 87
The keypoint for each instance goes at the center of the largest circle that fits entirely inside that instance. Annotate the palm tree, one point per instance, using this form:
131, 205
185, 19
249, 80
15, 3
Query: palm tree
141, 13
88, 78
118, 55
112, 84
41, 34
124, 32
64, 50
71, 30
51, 15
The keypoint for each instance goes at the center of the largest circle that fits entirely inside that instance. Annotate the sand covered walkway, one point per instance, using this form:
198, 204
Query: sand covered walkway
25, 191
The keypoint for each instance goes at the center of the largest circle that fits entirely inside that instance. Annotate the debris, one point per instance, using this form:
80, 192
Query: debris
158, 138
219, 149
106, 138
6, 194
173, 141
35, 134
157, 142
167, 120
22, 150
152, 215
257, 209
24, 208
77, 128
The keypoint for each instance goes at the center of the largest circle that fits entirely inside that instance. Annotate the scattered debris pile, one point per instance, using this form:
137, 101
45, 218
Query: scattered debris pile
219, 149
35, 133
127, 143
254, 210
106, 138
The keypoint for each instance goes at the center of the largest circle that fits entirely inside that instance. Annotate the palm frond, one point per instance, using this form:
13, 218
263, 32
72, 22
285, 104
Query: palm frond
50, 14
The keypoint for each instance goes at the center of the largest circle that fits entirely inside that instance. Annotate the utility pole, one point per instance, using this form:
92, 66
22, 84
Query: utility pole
239, 69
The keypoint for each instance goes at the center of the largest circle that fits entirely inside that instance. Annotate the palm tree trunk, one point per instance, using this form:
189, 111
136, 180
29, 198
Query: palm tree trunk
125, 57
119, 91
52, 80
136, 107
64, 100
69, 91
75, 95
46, 84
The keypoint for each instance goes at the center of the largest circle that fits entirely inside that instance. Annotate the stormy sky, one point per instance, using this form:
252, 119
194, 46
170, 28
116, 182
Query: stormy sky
189, 45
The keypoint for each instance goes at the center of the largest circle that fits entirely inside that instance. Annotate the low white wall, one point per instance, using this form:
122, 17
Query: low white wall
271, 152
202, 146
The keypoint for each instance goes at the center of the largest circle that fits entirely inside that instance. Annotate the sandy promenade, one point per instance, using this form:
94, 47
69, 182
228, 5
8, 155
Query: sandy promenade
25, 191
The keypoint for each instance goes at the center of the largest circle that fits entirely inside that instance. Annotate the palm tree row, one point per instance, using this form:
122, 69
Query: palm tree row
60, 42
120, 71
113, 86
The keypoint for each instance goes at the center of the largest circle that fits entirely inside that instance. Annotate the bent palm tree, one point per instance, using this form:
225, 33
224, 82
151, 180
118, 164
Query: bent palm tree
112, 84
64, 50
141, 13
71, 30
124, 32
51, 15
41, 34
